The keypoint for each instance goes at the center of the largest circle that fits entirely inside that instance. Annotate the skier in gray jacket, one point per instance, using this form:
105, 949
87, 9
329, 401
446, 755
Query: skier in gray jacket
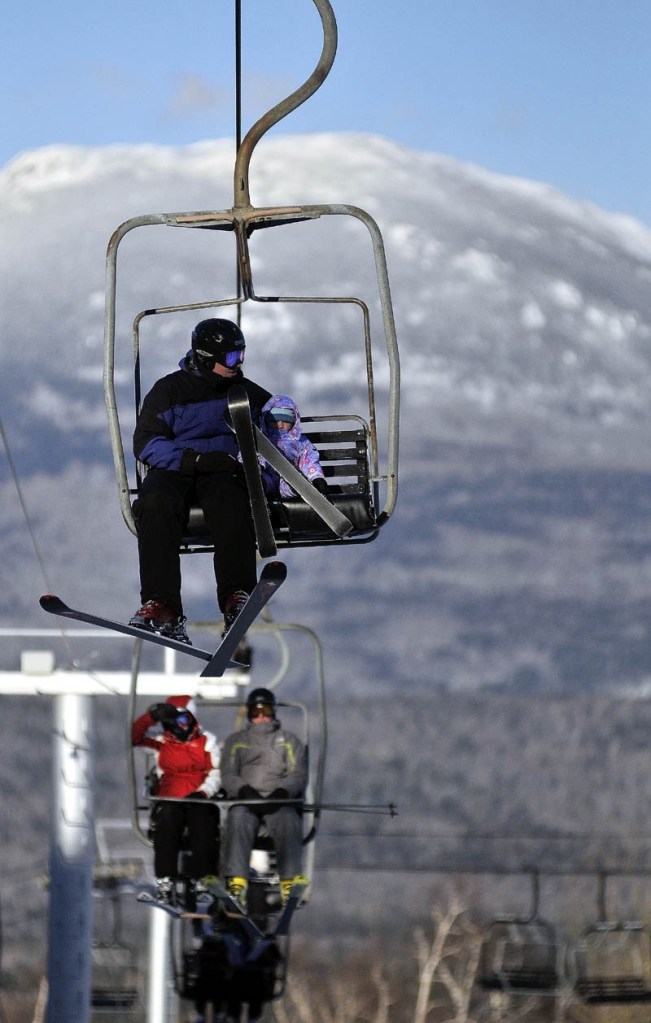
263, 761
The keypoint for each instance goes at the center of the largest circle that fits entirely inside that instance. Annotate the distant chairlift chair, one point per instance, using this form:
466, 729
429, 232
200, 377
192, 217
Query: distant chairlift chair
520, 953
115, 979
612, 959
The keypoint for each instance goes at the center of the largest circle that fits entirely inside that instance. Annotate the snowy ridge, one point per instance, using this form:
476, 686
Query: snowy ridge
320, 162
505, 290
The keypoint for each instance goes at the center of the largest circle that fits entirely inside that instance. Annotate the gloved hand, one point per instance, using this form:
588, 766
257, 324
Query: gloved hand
163, 712
320, 484
248, 792
199, 794
272, 807
279, 794
215, 461
210, 461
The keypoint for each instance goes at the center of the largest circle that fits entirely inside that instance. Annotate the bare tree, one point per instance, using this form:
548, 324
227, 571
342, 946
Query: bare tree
501, 1008
449, 956
343, 998
383, 990
365, 988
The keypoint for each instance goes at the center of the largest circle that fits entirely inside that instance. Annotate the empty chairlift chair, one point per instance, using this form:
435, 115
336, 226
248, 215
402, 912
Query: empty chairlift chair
613, 963
114, 978
612, 959
520, 953
115, 975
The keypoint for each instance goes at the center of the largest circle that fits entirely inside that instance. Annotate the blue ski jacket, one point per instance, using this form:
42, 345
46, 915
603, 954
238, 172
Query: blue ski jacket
187, 409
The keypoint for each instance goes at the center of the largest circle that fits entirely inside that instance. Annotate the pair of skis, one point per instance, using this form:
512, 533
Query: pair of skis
271, 578
251, 441
232, 910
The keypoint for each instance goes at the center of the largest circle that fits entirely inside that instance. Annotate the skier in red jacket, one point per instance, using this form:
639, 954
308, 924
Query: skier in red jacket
187, 767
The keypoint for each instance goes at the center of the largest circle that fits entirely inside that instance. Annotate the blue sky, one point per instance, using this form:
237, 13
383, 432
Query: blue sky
553, 90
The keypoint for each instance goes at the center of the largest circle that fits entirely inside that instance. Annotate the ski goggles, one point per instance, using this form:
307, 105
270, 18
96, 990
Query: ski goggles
181, 727
184, 719
261, 710
230, 359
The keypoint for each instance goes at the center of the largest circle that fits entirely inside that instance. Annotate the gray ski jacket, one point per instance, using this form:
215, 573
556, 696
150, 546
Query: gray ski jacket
266, 757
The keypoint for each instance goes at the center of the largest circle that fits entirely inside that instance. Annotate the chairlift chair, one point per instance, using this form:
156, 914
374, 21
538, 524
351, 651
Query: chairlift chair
348, 445
149, 798
520, 953
202, 951
264, 890
114, 963
611, 961
114, 978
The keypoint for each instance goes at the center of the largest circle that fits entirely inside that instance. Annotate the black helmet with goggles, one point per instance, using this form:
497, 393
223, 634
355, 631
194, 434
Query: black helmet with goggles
218, 341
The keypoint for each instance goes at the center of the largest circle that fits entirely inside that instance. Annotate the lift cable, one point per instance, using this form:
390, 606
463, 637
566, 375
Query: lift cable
37, 550
238, 132
28, 522
23, 505
507, 836
238, 73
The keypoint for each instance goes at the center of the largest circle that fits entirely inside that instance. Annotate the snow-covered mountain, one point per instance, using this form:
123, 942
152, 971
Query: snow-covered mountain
520, 550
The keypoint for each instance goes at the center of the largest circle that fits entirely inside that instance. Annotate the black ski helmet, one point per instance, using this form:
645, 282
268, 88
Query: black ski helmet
261, 698
213, 340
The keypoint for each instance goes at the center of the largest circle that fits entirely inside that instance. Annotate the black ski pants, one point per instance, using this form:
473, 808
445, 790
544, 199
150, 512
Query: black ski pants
161, 513
169, 821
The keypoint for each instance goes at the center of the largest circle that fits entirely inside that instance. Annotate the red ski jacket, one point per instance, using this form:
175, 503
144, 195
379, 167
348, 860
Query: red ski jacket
182, 767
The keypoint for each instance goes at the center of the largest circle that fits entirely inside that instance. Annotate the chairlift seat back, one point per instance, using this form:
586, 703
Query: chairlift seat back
344, 456
614, 964
114, 983
519, 954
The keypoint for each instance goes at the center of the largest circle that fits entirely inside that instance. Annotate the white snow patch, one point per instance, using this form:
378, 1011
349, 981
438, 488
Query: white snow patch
532, 317
565, 295
63, 413
481, 266
616, 328
412, 244
333, 373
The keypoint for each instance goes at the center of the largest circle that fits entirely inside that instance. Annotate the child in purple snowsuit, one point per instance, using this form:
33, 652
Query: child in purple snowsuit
281, 423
